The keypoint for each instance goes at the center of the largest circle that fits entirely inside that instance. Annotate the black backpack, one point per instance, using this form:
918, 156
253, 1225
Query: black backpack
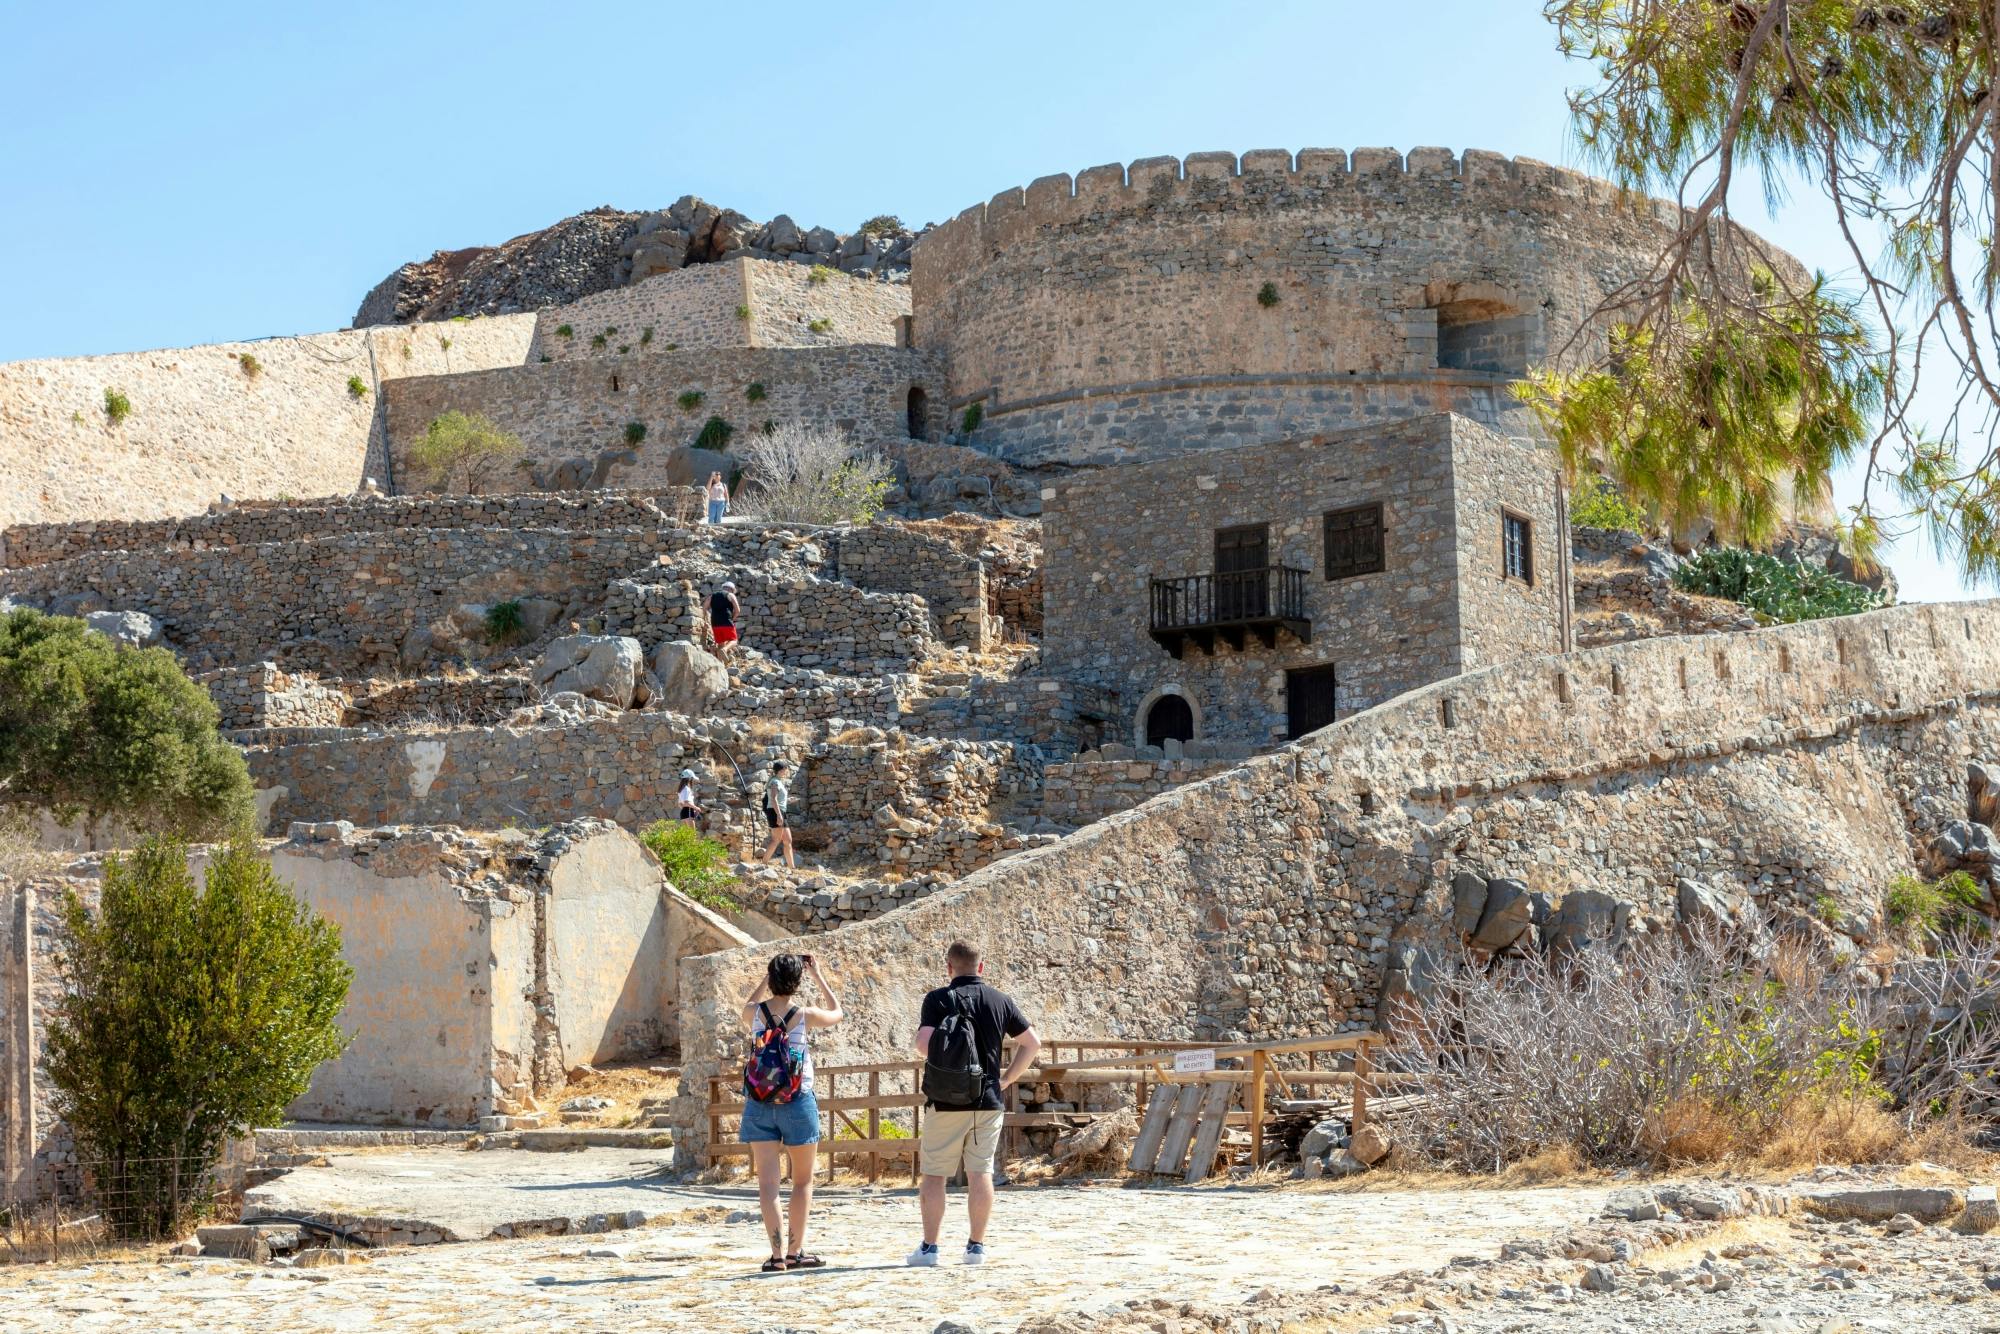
952, 1073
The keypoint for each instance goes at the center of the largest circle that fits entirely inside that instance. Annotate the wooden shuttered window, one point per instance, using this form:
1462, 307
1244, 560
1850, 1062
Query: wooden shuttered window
1354, 541
1517, 547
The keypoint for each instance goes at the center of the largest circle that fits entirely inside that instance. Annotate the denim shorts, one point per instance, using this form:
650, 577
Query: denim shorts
791, 1123
716, 509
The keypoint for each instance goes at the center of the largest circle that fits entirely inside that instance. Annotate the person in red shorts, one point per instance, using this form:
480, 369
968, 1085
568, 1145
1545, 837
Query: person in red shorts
723, 609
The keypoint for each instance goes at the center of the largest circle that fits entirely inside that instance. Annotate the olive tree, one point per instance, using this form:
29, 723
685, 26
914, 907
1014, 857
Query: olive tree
186, 1016
92, 727
458, 449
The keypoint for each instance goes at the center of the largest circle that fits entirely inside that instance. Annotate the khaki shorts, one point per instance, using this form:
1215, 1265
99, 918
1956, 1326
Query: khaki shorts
952, 1138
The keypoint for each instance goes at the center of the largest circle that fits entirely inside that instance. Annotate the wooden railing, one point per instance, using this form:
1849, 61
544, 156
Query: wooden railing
885, 1095
1195, 601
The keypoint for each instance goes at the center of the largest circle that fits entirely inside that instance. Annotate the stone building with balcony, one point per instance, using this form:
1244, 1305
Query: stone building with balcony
1257, 593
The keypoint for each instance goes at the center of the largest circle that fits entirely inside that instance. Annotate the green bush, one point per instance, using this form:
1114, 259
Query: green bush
1779, 591
598, 340
251, 366
755, 393
184, 1018
743, 312
1596, 502
696, 866
882, 224
634, 432
93, 727
818, 273
645, 335
116, 405
714, 434
820, 325
1267, 295
357, 386
689, 399
458, 448
1917, 908
503, 622
975, 413
565, 331
623, 348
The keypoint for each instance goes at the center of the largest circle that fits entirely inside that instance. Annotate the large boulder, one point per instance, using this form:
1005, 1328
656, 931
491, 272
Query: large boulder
1587, 919
1468, 901
1982, 793
603, 667
130, 627
1510, 911
688, 678
1960, 846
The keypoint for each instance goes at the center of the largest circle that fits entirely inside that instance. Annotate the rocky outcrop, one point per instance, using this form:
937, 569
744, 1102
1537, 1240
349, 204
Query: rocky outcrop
606, 248
603, 667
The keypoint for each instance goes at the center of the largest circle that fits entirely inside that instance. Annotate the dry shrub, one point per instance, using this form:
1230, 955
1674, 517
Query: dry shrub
1666, 1052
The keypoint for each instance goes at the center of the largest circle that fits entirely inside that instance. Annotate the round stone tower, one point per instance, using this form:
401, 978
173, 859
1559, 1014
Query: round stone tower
1141, 311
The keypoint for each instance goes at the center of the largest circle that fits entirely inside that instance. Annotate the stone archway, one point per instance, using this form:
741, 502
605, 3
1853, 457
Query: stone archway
1168, 711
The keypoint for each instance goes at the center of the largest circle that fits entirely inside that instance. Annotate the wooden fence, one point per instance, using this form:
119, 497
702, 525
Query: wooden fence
1195, 1115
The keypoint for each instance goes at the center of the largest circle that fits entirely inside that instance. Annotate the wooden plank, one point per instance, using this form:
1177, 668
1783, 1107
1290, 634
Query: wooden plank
1146, 1074
1291, 1047
1361, 1090
874, 1123
1173, 1149
1214, 1116
855, 1103
845, 1148
1146, 1144
1259, 1064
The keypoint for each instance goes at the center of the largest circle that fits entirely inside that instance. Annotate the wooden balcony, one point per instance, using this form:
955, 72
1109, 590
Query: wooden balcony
1202, 608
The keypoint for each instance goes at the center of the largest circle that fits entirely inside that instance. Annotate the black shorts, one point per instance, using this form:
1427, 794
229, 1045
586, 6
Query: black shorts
690, 813
775, 818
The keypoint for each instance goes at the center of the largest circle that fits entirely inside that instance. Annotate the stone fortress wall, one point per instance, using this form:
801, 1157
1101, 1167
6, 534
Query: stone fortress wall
1782, 765
1118, 315
736, 303
202, 425
580, 408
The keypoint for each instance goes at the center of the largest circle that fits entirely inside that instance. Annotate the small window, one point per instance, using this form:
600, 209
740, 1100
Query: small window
1517, 547
1354, 542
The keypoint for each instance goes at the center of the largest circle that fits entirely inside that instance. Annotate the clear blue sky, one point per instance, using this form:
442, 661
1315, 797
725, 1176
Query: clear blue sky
190, 174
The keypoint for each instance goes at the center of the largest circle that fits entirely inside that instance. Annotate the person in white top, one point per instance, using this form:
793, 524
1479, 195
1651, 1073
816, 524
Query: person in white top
717, 493
790, 1129
690, 805
778, 794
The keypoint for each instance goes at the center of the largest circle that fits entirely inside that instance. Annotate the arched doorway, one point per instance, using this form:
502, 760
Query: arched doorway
1170, 717
913, 413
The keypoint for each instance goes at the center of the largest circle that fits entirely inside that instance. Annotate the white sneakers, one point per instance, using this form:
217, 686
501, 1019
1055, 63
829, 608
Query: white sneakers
926, 1255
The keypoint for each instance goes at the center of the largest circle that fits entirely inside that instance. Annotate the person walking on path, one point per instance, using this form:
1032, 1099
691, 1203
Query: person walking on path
778, 795
960, 1031
780, 1110
717, 495
723, 609
690, 807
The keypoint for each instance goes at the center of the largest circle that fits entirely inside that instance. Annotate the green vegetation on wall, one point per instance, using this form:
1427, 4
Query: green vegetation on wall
1778, 591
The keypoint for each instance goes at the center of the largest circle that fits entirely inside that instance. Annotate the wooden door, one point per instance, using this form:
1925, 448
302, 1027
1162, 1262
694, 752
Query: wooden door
1241, 555
1309, 700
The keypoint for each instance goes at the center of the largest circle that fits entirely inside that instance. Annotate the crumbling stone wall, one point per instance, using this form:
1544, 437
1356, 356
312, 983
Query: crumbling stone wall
262, 695
341, 602
1781, 764
892, 559
803, 621
1438, 605
473, 698
1060, 716
578, 408
255, 522
1091, 787
201, 424
1117, 316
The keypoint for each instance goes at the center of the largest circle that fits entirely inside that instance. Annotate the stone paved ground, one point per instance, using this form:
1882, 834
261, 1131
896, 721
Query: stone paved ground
1058, 1249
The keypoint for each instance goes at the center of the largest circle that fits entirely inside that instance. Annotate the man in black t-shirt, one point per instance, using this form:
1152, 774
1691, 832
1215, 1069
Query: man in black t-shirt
967, 1134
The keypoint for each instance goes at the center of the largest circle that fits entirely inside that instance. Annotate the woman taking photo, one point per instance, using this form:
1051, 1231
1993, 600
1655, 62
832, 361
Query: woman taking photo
780, 1113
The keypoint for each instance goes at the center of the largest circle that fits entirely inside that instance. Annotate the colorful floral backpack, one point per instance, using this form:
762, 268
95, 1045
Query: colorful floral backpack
775, 1068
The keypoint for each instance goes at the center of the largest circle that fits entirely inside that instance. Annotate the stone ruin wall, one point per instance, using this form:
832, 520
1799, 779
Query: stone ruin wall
815, 623
1116, 315
1279, 896
579, 409
263, 695
257, 522
202, 426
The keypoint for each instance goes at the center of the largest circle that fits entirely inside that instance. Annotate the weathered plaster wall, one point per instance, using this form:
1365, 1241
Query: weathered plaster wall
1117, 316
609, 952
201, 425
1786, 764
576, 409
698, 307
1442, 482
